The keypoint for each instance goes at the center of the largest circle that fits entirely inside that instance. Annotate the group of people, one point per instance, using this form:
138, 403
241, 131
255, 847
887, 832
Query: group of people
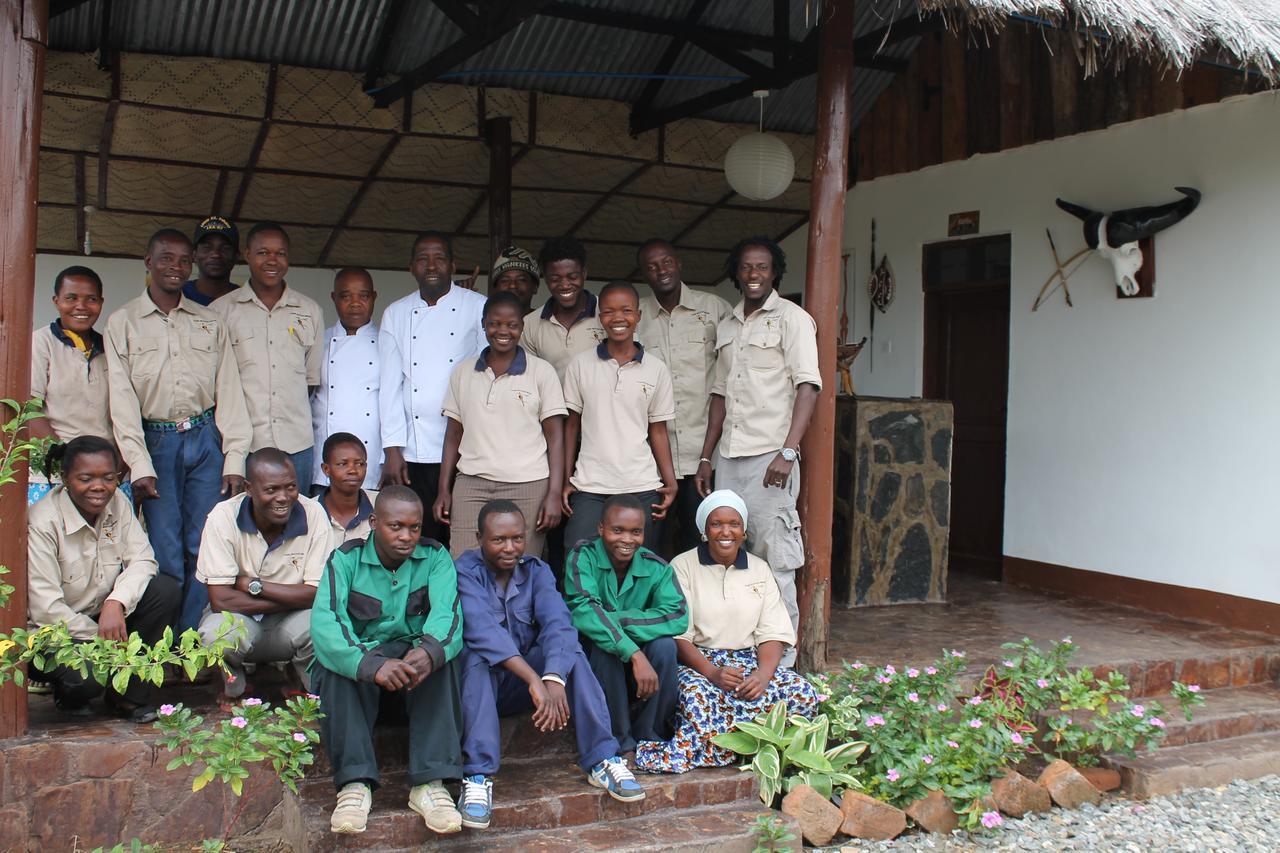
467, 508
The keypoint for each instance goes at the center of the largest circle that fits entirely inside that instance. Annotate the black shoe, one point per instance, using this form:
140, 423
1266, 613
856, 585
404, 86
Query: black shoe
121, 707
73, 710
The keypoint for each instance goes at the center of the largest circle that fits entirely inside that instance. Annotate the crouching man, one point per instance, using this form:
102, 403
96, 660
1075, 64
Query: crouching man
521, 652
261, 556
626, 602
386, 623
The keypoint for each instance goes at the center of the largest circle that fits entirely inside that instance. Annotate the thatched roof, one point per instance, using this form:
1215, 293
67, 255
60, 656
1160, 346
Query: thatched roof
1245, 33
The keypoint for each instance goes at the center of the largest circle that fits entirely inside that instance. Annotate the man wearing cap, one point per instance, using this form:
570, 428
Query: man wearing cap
515, 270
217, 243
678, 324
177, 411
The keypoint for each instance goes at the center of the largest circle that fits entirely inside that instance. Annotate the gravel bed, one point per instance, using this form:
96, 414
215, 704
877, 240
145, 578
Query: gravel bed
1241, 816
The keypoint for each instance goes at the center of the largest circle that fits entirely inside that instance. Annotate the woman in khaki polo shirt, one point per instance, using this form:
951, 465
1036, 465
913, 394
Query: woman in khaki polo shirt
504, 436
68, 370
730, 656
90, 566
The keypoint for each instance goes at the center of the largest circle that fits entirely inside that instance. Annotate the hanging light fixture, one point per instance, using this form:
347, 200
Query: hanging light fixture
759, 166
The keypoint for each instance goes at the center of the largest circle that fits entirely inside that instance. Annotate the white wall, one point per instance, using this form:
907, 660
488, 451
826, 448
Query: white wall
1141, 433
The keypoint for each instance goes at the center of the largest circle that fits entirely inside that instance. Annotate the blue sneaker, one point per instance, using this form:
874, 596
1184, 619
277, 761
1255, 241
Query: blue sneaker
612, 775
476, 801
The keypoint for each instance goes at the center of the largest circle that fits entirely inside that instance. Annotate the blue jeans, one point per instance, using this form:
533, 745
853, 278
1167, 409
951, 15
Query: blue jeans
304, 466
189, 479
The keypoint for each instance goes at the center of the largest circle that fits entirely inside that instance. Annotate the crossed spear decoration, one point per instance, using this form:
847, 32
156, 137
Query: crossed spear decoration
1061, 272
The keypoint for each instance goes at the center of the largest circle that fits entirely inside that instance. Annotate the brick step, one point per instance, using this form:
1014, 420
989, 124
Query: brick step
724, 828
1197, 765
548, 793
521, 741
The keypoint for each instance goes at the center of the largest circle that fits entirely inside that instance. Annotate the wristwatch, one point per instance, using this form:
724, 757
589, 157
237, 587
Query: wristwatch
790, 454
255, 587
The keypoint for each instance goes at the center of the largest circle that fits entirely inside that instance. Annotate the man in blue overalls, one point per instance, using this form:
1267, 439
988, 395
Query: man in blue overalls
521, 651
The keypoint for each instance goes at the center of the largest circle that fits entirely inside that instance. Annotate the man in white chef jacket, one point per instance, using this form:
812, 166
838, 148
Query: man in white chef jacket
347, 399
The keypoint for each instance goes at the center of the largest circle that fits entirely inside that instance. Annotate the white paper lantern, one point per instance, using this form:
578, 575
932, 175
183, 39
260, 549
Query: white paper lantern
759, 166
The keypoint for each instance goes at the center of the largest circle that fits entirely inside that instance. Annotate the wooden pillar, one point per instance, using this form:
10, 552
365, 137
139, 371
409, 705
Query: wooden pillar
822, 300
23, 28
497, 132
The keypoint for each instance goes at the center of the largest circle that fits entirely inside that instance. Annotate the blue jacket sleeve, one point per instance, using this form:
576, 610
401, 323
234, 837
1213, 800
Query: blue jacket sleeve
482, 632
556, 634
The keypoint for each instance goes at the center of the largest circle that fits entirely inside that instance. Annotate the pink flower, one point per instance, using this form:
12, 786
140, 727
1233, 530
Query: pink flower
892, 775
942, 706
166, 710
975, 724
931, 670
1157, 722
1016, 738
1137, 710
953, 744
1007, 664
927, 759
314, 697
859, 665
889, 670
251, 701
230, 679
874, 720
913, 697
883, 679
976, 700
1041, 683
956, 653
913, 672
822, 697
991, 819
299, 737
1193, 688
1068, 721
239, 722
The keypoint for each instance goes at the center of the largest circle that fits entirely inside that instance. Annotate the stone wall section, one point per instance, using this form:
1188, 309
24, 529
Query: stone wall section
893, 501
83, 786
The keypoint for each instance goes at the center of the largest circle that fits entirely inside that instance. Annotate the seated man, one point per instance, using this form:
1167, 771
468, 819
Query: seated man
89, 565
626, 602
261, 555
345, 463
521, 651
387, 623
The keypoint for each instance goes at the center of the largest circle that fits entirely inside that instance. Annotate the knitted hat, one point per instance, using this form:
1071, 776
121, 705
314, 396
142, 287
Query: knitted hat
514, 259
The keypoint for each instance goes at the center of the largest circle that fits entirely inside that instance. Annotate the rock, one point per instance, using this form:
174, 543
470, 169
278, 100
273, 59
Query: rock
1102, 778
905, 432
940, 444
914, 504
1066, 786
864, 479
819, 820
1016, 795
940, 499
91, 813
13, 827
869, 818
885, 496
913, 567
934, 813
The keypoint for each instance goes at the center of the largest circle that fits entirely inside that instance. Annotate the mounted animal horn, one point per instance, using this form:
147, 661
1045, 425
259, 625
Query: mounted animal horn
1124, 228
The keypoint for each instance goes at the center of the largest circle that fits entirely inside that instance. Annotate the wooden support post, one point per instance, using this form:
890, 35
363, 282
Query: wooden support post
24, 30
822, 300
497, 133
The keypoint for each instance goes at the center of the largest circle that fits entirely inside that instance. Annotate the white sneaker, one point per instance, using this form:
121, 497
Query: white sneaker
352, 811
435, 805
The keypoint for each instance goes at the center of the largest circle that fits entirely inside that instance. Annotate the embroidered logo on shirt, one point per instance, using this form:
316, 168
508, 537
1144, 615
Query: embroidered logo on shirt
598, 334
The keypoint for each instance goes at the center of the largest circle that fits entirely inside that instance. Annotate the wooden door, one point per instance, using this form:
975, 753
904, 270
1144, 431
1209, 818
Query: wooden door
966, 361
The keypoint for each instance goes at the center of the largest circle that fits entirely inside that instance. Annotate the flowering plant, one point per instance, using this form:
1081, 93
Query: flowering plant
286, 737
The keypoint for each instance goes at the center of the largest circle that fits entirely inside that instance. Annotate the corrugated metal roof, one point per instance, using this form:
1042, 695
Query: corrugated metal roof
588, 60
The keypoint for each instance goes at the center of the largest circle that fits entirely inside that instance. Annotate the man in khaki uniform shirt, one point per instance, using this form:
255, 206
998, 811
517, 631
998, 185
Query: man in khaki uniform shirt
567, 324
177, 412
767, 382
678, 324
89, 565
262, 555
278, 337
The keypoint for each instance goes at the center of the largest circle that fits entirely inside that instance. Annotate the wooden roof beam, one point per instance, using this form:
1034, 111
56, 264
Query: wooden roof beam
669, 56
502, 20
658, 26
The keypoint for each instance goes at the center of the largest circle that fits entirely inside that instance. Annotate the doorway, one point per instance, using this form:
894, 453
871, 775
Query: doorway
966, 361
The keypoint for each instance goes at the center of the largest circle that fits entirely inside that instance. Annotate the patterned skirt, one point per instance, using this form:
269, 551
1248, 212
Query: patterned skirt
706, 711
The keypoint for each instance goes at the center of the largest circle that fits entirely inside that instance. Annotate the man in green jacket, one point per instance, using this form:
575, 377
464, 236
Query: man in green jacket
386, 621
627, 604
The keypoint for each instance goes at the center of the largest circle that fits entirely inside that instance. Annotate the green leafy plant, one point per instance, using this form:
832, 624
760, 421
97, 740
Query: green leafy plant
134, 845
16, 446
789, 751
1188, 696
106, 660
772, 834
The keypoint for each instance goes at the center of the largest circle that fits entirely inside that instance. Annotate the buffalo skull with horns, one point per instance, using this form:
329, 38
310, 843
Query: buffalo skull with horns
1115, 235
